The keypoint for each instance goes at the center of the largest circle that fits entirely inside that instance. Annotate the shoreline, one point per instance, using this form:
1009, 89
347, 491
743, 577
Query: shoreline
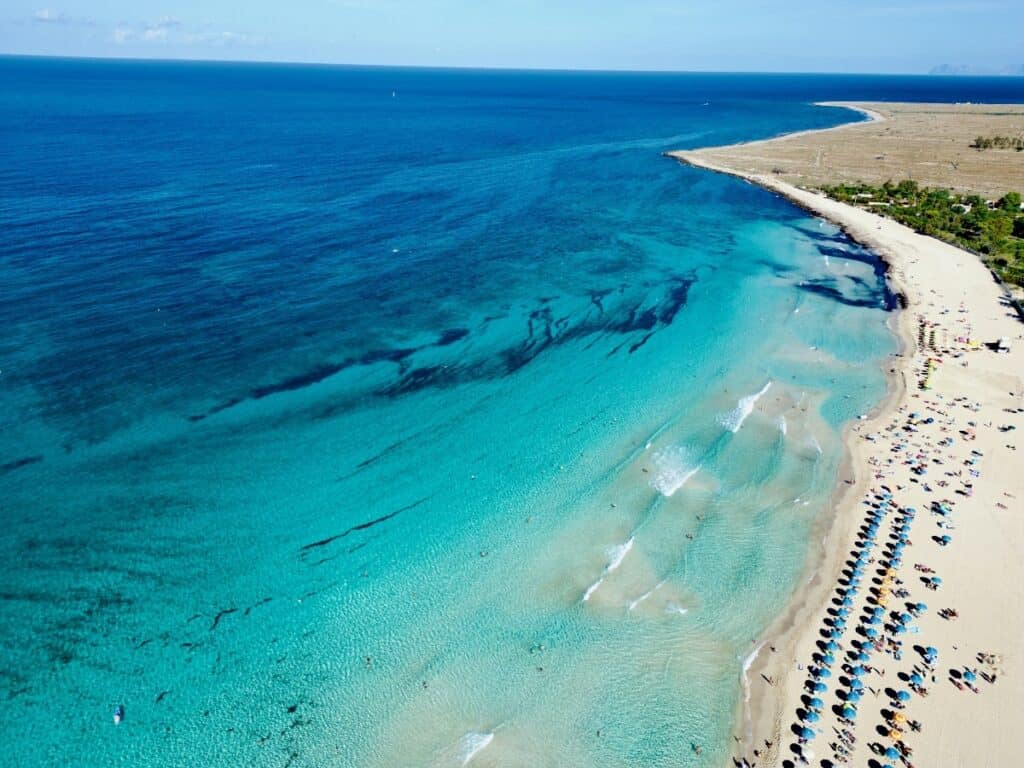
771, 689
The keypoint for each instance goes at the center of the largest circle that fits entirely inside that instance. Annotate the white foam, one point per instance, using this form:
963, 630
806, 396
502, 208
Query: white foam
645, 595
734, 420
675, 608
782, 424
472, 744
616, 555
674, 470
816, 445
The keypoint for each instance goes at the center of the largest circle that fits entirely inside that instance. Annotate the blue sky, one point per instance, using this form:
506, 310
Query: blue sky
749, 35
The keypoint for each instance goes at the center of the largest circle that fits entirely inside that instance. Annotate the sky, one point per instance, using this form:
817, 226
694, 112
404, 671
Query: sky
911, 36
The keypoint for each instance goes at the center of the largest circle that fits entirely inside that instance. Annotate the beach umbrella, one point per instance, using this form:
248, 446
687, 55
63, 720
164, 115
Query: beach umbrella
899, 717
857, 671
847, 601
856, 682
921, 607
824, 673
872, 633
903, 696
875, 620
812, 717
895, 734
831, 645
904, 617
863, 656
969, 676
916, 679
828, 658
806, 733
853, 696
816, 703
892, 753
931, 650
901, 630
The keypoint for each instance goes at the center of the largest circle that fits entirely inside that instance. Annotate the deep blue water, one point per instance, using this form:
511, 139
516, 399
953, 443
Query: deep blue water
328, 394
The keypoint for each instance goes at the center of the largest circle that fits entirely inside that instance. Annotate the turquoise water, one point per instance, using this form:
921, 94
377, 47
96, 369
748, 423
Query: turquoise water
402, 418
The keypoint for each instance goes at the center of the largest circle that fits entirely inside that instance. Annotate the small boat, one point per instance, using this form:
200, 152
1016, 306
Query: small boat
118, 714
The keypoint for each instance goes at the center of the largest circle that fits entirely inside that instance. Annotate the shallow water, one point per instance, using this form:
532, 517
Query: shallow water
450, 427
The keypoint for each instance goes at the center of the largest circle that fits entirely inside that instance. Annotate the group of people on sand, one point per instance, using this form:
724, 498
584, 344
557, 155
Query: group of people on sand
872, 610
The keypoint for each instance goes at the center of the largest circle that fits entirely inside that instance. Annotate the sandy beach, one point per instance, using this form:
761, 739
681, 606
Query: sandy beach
904, 646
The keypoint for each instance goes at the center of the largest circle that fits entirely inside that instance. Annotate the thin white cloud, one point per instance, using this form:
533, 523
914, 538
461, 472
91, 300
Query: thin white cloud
46, 16
171, 30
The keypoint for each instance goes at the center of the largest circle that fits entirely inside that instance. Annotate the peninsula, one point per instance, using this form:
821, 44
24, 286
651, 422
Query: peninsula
904, 645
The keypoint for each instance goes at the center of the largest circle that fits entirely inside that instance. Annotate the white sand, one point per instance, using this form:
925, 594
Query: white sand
952, 293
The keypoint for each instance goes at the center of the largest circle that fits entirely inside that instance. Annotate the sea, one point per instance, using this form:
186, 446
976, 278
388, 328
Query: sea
397, 417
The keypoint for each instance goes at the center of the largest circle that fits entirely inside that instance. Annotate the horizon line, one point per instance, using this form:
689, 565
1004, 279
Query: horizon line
472, 68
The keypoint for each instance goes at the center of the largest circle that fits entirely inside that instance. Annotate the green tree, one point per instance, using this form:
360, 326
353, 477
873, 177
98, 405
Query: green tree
1010, 201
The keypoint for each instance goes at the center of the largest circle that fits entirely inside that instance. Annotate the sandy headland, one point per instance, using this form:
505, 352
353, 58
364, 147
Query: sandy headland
927, 143
905, 643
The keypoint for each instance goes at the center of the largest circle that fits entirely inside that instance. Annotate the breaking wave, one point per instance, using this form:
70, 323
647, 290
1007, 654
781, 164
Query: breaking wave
735, 418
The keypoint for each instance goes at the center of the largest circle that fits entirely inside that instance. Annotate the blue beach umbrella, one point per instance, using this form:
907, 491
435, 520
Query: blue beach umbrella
816, 703
892, 753
863, 656
806, 733
872, 633
812, 717
831, 645
850, 713
819, 687
921, 607
847, 601
853, 696
828, 658
901, 630
857, 671
824, 673
931, 650
857, 683
903, 696
969, 676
